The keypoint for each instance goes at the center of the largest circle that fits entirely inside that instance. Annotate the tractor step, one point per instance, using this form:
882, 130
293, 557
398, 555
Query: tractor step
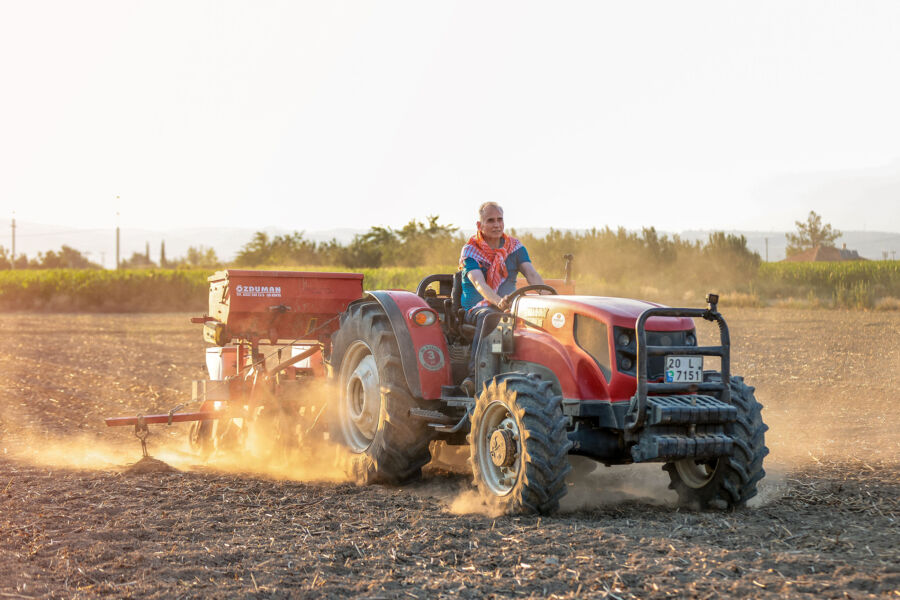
668, 447
432, 416
694, 409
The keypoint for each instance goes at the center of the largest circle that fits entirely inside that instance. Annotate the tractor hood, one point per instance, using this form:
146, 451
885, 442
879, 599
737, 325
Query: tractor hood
622, 312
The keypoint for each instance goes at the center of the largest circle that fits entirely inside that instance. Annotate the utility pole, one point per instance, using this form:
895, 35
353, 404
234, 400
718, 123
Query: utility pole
117, 238
767, 249
12, 259
893, 255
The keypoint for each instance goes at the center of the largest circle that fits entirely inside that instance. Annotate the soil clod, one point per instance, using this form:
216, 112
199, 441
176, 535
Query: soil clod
148, 464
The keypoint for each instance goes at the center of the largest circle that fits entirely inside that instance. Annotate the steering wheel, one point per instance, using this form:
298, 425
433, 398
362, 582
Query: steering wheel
531, 288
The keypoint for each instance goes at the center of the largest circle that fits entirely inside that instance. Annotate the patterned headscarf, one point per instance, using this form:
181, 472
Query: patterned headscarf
493, 259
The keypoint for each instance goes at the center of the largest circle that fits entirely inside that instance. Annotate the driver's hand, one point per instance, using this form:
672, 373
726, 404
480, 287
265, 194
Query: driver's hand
504, 303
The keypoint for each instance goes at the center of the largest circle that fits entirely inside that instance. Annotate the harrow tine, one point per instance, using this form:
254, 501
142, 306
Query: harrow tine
141, 431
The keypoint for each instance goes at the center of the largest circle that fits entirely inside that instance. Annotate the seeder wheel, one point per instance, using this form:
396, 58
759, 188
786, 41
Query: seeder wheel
215, 435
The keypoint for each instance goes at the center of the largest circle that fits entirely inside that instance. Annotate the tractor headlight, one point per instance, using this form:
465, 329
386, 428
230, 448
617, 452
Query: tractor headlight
424, 316
623, 339
690, 340
626, 364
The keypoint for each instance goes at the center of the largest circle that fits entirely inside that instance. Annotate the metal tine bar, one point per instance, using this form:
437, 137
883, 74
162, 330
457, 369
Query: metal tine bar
166, 418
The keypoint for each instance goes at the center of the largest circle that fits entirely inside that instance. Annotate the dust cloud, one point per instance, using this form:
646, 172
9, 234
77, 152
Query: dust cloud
590, 486
471, 502
604, 486
75, 452
267, 449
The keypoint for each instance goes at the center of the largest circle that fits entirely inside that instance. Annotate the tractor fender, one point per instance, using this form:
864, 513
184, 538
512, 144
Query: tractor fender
423, 348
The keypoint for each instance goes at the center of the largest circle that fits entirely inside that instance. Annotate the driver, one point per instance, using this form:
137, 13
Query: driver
490, 262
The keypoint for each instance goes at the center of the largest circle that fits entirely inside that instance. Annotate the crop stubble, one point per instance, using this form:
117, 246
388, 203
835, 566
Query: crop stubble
74, 523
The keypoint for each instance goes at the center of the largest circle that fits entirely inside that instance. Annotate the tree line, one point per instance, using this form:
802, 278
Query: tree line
199, 257
606, 254
66, 258
415, 244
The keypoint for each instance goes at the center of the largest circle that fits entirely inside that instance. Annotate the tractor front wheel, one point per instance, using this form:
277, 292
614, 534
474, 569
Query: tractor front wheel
731, 481
518, 445
371, 418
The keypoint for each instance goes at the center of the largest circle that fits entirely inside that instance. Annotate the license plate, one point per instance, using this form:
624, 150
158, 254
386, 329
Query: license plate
684, 369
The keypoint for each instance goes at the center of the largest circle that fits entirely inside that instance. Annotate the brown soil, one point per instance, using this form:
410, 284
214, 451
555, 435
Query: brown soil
76, 521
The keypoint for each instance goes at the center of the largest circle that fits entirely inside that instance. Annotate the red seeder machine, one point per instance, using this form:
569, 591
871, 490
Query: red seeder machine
268, 330
301, 357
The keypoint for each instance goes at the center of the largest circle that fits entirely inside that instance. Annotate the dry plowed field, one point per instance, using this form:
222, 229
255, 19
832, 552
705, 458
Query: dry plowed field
76, 522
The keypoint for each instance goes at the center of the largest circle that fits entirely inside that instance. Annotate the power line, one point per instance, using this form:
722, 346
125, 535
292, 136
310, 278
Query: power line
63, 232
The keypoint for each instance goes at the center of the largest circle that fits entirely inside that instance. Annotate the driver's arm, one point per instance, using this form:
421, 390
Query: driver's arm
477, 279
531, 274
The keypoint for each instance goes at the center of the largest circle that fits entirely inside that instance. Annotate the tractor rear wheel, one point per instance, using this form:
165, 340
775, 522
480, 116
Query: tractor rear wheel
372, 414
726, 482
518, 445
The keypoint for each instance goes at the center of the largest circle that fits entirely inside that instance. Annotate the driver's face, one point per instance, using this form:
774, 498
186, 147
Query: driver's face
491, 224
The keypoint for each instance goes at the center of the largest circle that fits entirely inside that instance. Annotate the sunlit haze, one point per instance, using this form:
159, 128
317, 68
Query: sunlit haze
316, 115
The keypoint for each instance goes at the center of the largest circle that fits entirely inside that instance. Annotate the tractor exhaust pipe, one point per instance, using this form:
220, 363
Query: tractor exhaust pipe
568, 258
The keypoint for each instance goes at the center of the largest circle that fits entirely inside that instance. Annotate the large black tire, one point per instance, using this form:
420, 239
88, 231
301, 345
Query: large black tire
727, 482
371, 417
518, 422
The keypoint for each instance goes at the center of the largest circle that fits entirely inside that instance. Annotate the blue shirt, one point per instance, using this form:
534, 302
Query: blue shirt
471, 296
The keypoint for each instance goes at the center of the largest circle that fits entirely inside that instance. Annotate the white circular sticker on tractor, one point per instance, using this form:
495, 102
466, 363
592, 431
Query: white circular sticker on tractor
558, 320
431, 357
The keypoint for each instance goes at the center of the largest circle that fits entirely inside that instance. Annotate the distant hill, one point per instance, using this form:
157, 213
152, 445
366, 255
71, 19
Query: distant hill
869, 244
100, 245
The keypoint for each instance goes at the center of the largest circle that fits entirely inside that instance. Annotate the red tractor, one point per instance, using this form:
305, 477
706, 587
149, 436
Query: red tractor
615, 380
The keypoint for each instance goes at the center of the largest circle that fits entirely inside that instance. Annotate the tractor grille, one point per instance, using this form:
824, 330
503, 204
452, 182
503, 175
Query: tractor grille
626, 354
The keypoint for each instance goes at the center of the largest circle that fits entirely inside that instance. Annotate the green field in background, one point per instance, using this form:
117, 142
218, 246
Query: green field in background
863, 284
135, 290
856, 284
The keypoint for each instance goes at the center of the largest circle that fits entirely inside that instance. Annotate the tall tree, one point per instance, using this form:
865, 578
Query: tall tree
137, 261
811, 234
66, 258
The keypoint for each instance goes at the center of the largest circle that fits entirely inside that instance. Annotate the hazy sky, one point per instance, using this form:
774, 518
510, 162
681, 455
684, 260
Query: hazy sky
314, 115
